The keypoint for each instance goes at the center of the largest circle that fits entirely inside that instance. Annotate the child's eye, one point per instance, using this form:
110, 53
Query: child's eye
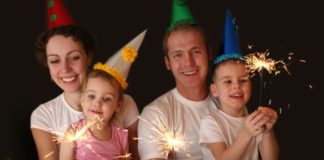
91, 96
228, 82
106, 99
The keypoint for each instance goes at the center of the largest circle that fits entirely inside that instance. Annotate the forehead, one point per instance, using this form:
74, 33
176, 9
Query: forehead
228, 68
62, 44
186, 38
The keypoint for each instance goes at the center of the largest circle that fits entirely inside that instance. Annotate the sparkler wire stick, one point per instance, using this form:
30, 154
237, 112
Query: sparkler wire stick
261, 86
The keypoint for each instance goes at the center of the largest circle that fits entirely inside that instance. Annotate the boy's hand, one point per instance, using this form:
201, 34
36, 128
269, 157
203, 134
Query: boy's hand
255, 123
273, 116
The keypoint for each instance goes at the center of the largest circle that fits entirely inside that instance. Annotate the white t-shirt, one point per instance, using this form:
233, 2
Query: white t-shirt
57, 115
220, 127
178, 114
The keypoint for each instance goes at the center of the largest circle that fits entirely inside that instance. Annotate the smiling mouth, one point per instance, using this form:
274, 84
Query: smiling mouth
190, 73
68, 79
96, 112
236, 95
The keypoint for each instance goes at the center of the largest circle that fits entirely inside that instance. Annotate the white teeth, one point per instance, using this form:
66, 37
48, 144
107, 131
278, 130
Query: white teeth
68, 79
189, 73
236, 95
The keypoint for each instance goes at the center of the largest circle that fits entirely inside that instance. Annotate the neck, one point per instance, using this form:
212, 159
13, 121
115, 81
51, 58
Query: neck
73, 99
194, 94
103, 133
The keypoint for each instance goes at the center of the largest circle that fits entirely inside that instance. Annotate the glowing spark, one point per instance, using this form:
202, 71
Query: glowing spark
259, 61
302, 60
280, 111
127, 155
49, 154
250, 46
290, 54
168, 140
310, 86
269, 102
78, 133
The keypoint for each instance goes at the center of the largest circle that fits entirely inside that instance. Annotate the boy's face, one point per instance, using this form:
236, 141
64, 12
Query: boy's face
232, 86
100, 98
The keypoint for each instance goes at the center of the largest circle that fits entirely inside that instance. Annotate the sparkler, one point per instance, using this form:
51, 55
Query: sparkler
168, 140
259, 61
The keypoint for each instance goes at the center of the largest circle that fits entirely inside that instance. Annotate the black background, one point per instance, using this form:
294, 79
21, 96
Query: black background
281, 26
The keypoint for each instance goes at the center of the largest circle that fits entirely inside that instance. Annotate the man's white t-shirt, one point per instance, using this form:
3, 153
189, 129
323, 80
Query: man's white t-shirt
172, 112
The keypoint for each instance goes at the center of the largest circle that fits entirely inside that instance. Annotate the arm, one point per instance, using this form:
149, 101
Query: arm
132, 133
46, 147
148, 149
67, 147
251, 128
67, 151
269, 148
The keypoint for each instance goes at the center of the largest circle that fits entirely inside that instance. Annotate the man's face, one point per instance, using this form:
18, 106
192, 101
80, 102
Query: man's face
187, 58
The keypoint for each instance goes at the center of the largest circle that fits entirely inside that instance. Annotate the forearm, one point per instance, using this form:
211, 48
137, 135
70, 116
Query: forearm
238, 148
46, 147
132, 133
269, 147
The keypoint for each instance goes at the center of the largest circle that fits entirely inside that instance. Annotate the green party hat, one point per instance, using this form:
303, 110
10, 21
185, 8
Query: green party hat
180, 14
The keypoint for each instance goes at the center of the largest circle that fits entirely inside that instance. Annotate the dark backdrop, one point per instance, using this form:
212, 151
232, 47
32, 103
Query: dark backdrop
281, 26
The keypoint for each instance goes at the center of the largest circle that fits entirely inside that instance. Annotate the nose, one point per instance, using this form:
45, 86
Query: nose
98, 104
237, 85
66, 66
190, 60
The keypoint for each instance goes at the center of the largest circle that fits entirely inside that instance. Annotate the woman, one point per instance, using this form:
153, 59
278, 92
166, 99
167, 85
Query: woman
67, 51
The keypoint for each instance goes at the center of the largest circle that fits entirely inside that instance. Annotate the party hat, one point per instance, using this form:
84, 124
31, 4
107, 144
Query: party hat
119, 64
57, 14
180, 14
230, 48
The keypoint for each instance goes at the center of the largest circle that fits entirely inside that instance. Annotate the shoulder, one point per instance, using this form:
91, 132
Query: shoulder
49, 106
161, 101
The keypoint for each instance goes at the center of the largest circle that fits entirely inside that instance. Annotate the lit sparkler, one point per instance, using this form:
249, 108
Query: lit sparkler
168, 140
259, 61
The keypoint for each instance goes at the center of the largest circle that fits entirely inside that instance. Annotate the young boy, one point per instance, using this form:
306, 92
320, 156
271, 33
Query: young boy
230, 132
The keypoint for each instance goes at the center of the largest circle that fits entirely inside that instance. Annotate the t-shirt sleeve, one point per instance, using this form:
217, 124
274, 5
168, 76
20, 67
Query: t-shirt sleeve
40, 119
147, 148
210, 131
129, 111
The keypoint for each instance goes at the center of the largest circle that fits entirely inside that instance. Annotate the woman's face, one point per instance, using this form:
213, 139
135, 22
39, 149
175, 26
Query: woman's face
67, 62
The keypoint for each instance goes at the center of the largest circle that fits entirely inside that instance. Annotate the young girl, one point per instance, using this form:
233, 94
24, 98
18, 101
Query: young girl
96, 136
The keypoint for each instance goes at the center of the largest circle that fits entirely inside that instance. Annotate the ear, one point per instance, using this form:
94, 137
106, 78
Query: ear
213, 90
167, 62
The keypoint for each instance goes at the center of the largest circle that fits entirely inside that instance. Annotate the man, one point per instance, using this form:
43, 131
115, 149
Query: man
179, 110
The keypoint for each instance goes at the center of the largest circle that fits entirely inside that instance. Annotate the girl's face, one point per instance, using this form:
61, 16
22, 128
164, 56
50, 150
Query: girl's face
100, 99
232, 86
67, 62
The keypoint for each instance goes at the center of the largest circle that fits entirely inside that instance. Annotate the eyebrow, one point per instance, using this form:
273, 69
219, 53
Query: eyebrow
68, 53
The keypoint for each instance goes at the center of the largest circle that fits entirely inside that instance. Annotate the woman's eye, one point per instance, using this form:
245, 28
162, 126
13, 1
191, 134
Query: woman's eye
54, 61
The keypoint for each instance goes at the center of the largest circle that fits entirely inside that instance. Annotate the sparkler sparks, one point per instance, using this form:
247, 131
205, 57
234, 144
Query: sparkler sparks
258, 61
168, 140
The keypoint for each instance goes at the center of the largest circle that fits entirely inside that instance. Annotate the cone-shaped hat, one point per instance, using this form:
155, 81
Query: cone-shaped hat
180, 14
57, 14
119, 64
230, 48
